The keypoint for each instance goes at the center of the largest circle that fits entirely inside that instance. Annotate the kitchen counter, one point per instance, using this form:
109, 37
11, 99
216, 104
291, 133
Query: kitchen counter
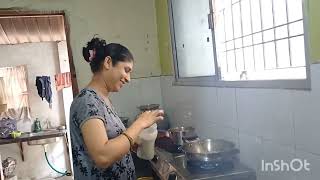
28, 136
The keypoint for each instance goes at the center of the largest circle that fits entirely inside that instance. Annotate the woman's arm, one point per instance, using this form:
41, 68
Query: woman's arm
105, 152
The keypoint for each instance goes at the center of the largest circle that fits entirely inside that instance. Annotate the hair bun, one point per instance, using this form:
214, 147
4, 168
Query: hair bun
94, 47
85, 54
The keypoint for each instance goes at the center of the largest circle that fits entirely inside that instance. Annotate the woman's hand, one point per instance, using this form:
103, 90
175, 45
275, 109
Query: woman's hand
148, 118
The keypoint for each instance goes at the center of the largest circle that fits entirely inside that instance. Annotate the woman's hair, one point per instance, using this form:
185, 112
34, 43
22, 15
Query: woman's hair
97, 50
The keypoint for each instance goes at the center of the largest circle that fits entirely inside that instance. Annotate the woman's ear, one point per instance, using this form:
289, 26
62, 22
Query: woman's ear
107, 62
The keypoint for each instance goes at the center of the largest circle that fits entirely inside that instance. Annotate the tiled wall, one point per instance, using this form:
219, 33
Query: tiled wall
266, 124
138, 92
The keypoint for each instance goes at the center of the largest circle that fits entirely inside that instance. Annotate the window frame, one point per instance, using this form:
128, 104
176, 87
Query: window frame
215, 81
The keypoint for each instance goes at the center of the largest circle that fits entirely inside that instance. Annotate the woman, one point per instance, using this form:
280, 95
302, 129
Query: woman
100, 143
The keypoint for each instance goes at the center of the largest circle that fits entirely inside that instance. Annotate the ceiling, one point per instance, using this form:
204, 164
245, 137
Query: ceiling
30, 29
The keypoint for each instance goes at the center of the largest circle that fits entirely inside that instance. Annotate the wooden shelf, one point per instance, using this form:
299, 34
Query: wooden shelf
34, 136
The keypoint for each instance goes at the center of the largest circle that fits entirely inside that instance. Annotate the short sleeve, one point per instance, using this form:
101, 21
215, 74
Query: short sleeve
86, 107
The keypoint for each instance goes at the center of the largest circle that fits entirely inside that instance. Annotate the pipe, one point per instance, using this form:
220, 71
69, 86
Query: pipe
66, 173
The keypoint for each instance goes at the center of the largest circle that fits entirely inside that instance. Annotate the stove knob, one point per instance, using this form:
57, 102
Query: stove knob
155, 158
172, 176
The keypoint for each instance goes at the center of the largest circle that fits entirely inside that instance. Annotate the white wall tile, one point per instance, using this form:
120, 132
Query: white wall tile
306, 115
306, 119
137, 92
272, 152
251, 150
226, 108
206, 104
188, 105
216, 131
266, 113
271, 123
314, 166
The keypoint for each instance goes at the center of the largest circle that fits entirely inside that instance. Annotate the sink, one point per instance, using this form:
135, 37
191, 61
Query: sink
43, 141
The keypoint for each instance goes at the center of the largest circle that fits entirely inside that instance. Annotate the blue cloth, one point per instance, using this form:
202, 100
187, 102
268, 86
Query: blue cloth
88, 105
43, 84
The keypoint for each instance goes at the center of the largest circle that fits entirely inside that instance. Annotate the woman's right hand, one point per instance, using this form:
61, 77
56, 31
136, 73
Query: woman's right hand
148, 118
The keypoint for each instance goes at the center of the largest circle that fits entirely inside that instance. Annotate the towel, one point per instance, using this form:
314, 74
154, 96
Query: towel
63, 80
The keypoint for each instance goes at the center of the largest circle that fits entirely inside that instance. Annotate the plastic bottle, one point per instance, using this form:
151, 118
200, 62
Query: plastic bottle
146, 142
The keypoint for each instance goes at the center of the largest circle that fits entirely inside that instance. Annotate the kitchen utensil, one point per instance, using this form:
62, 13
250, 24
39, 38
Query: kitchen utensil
209, 150
179, 135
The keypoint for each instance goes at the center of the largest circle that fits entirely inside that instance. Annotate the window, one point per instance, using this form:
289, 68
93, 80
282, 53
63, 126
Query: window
239, 43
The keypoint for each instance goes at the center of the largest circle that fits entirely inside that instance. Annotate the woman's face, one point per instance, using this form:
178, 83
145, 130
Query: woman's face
117, 76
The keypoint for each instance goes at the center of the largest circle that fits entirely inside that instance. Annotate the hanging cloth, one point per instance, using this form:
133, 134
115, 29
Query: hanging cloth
43, 84
63, 80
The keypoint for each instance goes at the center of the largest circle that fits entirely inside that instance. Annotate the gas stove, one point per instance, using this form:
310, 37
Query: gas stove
174, 166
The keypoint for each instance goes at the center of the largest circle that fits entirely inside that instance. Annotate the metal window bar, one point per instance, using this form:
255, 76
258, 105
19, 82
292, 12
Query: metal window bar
225, 35
288, 31
253, 54
212, 14
261, 31
243, 58
261, 24
274, 33
234, 44
267, 42
295, 67
264, 30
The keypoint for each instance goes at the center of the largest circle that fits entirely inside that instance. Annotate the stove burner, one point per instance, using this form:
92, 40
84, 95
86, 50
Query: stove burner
214, 166
166, 164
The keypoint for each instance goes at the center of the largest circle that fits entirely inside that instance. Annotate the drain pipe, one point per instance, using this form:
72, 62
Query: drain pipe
66, 173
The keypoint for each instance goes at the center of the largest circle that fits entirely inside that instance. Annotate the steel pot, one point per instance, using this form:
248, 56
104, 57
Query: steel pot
179, 135
209, 150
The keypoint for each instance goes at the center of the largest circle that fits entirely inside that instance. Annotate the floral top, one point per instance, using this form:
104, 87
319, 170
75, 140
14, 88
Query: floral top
88, 105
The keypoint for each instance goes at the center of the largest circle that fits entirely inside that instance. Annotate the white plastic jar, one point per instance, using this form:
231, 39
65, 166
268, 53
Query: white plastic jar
146, 142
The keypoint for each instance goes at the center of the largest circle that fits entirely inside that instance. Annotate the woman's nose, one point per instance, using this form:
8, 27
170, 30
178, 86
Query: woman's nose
127, 78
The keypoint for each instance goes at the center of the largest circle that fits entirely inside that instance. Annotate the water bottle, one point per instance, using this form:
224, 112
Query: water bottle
146, 142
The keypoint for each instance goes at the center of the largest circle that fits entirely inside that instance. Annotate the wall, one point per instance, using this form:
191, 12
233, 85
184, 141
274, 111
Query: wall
314, 27
41, 59
138, 92
164, 40
132, 23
